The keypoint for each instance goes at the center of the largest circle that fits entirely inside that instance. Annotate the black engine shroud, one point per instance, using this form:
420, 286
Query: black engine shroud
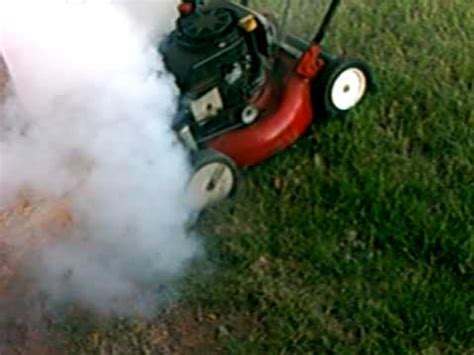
219, 55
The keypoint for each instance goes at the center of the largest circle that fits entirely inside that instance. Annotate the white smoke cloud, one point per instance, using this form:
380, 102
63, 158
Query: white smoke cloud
90, 122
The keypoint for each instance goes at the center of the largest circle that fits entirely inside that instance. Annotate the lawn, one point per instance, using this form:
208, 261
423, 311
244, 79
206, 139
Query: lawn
360, 238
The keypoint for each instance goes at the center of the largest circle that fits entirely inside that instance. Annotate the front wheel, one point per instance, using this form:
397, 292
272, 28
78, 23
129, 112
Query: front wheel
213, 180
342, 86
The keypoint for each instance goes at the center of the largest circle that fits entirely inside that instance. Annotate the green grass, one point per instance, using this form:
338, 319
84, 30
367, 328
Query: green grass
360, 238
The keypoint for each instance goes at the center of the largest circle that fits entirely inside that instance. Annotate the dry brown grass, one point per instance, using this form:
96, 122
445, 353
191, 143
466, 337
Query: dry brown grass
24, 228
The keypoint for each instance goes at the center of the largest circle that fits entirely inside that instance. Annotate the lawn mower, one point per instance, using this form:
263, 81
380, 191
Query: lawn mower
249, 91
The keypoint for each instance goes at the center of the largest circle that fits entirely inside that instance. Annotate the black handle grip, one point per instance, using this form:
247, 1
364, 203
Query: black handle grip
327, 21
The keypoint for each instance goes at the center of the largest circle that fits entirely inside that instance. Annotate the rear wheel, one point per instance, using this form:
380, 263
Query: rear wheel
343, 85
214, 179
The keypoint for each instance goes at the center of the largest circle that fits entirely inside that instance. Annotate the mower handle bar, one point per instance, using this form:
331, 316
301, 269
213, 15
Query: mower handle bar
328, 17
326, 21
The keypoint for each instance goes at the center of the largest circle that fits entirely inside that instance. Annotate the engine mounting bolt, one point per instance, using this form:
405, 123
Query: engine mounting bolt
250, 114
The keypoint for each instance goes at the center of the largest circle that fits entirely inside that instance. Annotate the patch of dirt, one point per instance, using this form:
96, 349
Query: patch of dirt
187, 332
24, 228
178, 330
190, 331
17, 337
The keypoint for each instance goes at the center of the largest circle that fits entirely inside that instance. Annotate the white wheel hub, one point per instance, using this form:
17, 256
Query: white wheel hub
211, 183
349, 88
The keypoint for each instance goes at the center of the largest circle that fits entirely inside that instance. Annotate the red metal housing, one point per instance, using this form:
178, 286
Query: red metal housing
280, 125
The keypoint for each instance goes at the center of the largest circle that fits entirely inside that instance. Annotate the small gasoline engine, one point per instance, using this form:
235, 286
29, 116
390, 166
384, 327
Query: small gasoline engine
220, 55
